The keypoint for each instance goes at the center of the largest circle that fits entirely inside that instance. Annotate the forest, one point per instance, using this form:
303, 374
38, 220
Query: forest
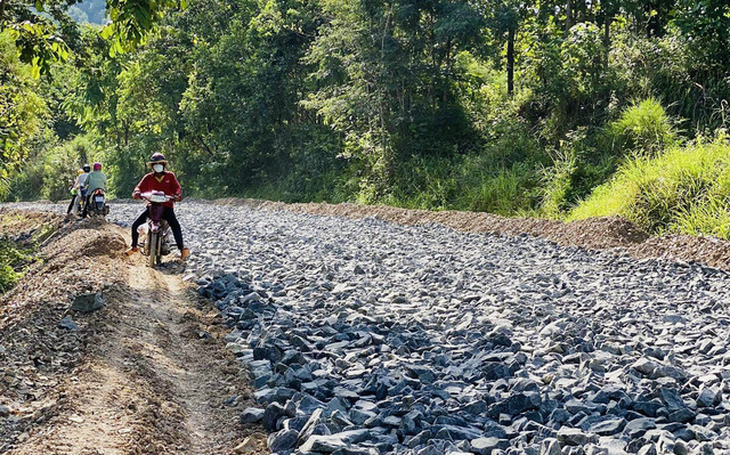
563, 109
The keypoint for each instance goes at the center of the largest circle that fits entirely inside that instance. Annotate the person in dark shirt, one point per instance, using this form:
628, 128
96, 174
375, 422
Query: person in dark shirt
159, 180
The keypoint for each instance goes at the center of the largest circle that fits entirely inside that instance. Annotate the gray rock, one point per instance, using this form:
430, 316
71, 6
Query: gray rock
4, 411
648, 449
331, 443
551, 446
669, 371
516, 404
575, 437
705, 449
637, 427
671, 398
355, 451
608, 427
596, 450
680, 448
271, 416
251, 415
283, 440
86, 303
485, 446
308, 429
682, 415
419, 439
68, 324
709, 397
456, 433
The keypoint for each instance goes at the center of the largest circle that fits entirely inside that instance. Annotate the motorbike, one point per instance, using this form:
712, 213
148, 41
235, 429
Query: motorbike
77, 207
97, 203
157, 235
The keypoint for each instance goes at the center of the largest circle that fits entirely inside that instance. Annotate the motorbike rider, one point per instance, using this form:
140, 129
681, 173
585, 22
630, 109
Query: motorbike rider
96, 180
76, 188
159, 180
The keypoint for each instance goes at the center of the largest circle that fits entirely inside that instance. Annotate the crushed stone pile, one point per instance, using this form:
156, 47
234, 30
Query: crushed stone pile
369, 337
41, 339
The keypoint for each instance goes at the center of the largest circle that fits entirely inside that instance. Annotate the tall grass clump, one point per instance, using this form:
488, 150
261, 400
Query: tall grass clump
643, 128
683, 190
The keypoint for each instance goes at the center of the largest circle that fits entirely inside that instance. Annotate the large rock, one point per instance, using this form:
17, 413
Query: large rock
86, 303
709, 397
308, 429
283, 440
271, 416
486, 446
550, 446
608, 427
334, 442
576, 437
637, 427
252, 415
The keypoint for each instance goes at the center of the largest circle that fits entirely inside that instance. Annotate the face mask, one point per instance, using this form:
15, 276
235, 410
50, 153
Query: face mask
158, 168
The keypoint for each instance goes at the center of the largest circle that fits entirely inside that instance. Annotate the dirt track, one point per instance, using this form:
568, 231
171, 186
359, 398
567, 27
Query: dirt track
150, 376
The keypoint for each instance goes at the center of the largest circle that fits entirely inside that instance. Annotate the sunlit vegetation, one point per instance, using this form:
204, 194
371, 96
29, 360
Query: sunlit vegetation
519, 108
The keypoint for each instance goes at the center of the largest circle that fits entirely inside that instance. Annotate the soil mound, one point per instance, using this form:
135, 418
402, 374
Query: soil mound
594, 233
147, 373
36, 350
707, 250
105, 243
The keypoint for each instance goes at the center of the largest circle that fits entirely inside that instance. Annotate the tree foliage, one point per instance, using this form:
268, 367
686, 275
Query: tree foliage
515, 107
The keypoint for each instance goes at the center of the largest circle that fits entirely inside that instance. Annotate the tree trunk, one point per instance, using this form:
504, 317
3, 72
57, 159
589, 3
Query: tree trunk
511, 60
568, 16
205, 146
445, 95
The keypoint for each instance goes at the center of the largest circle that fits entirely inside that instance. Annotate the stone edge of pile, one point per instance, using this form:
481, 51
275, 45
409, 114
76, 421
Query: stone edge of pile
603, 233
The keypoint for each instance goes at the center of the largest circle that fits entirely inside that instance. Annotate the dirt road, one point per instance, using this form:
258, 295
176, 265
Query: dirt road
155, 377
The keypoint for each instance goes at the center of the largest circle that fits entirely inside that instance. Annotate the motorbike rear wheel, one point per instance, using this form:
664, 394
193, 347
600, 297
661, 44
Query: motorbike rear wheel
153, 248
76, 206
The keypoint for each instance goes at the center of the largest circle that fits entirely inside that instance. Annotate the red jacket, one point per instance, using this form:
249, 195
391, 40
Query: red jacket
166, 182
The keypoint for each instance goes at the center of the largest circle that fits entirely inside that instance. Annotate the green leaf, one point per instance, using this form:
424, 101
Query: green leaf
107, 31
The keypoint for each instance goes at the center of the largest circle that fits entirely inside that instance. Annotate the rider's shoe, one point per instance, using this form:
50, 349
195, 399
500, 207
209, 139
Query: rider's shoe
184, 253
131, 251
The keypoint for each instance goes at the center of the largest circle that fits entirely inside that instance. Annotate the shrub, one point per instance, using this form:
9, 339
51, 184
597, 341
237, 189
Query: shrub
683, 190
643, 127
504, 192
13, 261
557, 182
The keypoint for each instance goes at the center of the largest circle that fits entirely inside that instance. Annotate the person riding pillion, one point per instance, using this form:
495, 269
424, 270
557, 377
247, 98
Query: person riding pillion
160, 180
95, 181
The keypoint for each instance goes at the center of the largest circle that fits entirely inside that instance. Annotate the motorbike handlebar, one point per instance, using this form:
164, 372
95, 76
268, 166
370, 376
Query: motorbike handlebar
148, 196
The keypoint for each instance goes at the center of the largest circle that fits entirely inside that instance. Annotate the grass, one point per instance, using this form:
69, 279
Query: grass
682, 190
14, 260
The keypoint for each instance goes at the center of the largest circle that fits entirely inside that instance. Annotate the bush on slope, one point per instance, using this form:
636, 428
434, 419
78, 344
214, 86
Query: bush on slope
682, 190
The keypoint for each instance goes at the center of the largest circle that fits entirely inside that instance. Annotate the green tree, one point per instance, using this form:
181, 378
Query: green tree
23, 113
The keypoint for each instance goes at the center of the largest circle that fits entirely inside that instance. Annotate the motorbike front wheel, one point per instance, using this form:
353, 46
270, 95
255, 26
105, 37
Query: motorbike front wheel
153, 248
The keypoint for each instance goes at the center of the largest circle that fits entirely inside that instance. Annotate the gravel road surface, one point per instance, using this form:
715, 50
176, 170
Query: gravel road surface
365, 337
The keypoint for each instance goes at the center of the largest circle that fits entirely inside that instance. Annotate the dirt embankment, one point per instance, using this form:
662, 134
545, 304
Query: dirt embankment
146, 374
593, 234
